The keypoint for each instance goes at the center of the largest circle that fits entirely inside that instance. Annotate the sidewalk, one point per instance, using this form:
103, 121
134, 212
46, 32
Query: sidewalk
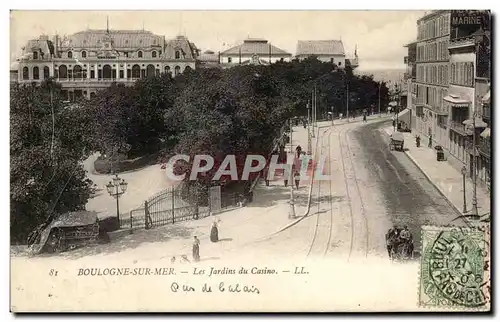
444, 176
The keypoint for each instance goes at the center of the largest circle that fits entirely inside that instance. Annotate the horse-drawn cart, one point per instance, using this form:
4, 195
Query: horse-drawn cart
396, 141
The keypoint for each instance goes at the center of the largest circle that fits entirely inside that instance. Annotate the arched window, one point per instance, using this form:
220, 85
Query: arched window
46, 72
153, 54
177, 54
77, 71
36, 73
150, 71
35, 55
167, 69
188, 69
84, 54
136, 71
177, 70
70, 54
63, 72
139, 54
26, 73
106, 72
92, 95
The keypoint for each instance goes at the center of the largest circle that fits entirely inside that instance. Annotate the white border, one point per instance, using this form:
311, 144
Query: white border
156, 5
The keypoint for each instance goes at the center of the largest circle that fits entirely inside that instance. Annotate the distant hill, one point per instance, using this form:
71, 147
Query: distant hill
385, 75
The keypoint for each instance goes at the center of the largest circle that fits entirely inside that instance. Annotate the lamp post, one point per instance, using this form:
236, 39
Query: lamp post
116, 189
464, 173
291, 213
379, 87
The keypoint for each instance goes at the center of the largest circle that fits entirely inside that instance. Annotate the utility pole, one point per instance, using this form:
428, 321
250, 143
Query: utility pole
474, 178
291, 213
379, 87
347, 103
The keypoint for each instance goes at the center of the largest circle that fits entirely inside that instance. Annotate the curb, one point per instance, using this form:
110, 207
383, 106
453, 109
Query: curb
459, 211
439, 189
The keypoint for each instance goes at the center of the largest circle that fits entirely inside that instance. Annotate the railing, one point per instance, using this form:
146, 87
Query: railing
487, 112
457, 126
484, 146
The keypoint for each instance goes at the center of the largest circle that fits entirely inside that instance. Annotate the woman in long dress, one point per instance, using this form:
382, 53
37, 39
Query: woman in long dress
196, 249
214, 232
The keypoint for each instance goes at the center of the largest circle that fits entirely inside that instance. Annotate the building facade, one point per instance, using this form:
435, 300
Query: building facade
252, 50
90, 60
452, 86
329, 51
431, 75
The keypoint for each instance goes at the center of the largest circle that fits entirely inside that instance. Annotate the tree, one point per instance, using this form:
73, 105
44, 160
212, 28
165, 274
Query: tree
48, 141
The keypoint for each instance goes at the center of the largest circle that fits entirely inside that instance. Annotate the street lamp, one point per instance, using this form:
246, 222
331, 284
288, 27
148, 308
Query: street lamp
464, 173
379, 87
291, 213
116, 189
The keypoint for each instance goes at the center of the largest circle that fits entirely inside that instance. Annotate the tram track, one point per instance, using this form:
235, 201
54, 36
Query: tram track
324, 219
359, 239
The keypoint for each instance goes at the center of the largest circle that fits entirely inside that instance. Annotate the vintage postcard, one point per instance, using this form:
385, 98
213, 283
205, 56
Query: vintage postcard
250, 161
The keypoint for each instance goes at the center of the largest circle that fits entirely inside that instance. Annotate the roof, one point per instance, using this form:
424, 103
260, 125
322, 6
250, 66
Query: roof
188, 49
208, 57
320, 47
121, 39
256, 46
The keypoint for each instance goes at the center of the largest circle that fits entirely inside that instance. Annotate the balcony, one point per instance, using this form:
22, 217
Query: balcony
484, 146
457, 126
487, 113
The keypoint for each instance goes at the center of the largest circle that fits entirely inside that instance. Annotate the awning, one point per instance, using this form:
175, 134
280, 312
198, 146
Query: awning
404, 116
456, 100
393, 104
486, 133
479, 123
486, 98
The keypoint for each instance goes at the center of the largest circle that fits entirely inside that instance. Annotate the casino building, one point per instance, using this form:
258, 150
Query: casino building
90, 60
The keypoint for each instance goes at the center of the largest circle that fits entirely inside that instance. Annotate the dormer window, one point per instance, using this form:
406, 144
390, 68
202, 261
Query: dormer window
84, 54
139, 54
177, 54
153, 54
70, 54
35, 55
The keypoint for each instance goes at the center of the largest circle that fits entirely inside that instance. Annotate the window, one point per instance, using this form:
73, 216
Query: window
35, 55
159, 53
46, 72
153, 54
84, 54
26, 73
331, 60
177, 54
121, 74
452, 73
36, 73
70, 54
139, 54
446, 79
229, 59
177, 70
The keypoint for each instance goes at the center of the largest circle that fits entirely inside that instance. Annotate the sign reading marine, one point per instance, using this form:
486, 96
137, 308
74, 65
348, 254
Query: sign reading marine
466, 23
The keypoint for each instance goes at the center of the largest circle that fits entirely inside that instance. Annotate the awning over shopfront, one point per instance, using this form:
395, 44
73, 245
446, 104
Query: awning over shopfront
404, 116
486, 133
456, 100
479, 123
486, 98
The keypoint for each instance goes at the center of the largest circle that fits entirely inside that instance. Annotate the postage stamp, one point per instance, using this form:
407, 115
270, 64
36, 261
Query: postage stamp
455, 268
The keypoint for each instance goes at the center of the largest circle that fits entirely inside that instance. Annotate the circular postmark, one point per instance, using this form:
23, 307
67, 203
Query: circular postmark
455, 268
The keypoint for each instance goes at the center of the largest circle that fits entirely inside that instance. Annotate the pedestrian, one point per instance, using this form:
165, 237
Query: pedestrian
196, 249
340, 116
265, 173
214, 232
393, 122
286, 181
430, 141
297, 179
298, 150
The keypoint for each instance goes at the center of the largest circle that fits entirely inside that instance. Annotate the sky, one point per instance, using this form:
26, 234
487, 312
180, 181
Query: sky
378, 35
